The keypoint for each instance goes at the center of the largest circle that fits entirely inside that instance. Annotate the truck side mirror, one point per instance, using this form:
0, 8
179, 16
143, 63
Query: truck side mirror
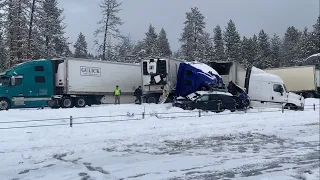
13, 81
281, 91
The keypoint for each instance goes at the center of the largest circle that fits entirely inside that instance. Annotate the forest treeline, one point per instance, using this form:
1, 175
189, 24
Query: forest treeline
35, 29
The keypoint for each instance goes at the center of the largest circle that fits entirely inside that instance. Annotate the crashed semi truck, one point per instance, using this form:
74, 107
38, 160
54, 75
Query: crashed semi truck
263, 89
175, 76
67, 83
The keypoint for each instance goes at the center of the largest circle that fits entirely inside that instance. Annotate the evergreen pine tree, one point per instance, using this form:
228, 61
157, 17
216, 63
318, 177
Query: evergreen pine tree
31, 27
16, 25
305, 45
151, 42
233, 43
315, 36
255, 50
108, 27
3, 53
265, 60
163, 44
51, 29
176, 54
276, 51
139, 50
264, 44
206, 50
90, 56
192, 34
250, 51
290, 46
125, 49
81, 50
246, 51
218, 44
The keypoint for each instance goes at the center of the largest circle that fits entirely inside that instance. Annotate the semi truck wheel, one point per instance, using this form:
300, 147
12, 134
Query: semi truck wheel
80, 102
66, 102
4, 104
151, 99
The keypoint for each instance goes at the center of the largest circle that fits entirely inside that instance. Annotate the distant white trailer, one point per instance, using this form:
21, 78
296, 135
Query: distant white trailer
97, 79
300, 79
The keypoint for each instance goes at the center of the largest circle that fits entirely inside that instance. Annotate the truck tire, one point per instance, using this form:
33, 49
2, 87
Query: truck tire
66, 102
4, 104
80, 102
151, 99
188, 107
290, 106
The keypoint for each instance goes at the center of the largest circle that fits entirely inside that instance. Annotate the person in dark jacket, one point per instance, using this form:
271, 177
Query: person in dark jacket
138, 94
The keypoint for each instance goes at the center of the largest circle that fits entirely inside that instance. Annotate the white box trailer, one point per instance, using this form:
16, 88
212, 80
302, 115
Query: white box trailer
96, 80
300, 79
156, 74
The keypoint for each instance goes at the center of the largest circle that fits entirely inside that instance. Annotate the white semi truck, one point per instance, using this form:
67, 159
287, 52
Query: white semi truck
66, 83
263, 89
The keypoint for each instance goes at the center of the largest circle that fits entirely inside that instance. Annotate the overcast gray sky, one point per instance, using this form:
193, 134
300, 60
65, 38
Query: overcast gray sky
250, 16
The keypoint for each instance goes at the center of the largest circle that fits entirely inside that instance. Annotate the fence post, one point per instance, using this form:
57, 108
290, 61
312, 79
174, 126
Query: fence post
282, 108
199, 113
314, 107
71, 121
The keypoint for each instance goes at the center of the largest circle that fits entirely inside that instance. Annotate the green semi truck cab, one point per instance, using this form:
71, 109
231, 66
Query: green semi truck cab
27, 85
66, 83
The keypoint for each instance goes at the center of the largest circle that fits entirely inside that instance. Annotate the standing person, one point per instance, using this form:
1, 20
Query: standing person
117, 93
138, 94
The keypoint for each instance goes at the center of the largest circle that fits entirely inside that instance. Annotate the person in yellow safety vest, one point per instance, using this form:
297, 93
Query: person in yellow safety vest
117, 93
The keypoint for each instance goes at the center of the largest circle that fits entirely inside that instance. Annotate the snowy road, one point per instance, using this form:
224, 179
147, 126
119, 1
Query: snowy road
264, 145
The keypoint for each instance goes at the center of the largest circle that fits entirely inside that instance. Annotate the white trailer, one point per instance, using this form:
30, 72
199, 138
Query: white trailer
159, 73
263, 89
83, 81
300, 79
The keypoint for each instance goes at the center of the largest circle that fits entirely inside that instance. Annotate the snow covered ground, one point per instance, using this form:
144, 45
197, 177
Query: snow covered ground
168, 143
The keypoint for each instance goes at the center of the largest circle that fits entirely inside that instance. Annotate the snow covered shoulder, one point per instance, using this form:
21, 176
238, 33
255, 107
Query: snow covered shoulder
168, 144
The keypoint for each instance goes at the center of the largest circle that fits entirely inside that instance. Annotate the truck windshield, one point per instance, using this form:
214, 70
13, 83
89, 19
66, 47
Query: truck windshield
4, 81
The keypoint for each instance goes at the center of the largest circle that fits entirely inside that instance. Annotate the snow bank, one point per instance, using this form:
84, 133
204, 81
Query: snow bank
312, 101
313, 174
203, 67
182, 145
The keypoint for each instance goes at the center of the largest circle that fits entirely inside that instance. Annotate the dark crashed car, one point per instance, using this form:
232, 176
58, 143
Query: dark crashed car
208, 101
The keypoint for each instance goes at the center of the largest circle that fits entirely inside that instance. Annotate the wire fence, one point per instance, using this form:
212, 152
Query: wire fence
143, 116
